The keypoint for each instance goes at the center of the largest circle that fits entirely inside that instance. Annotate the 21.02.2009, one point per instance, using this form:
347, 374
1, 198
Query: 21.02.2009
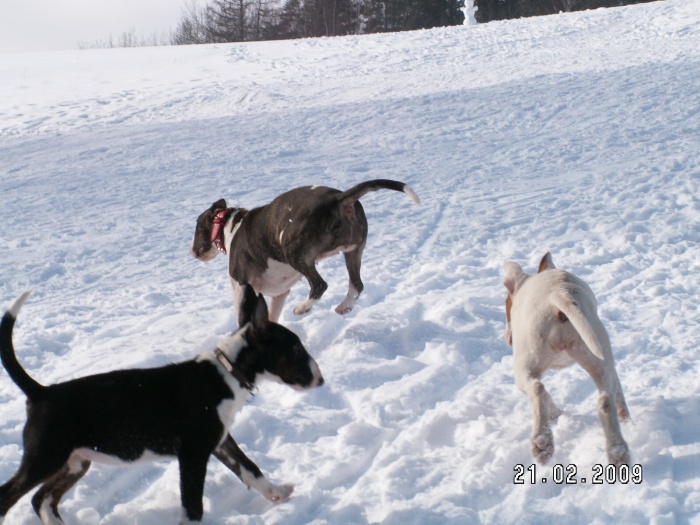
568, 475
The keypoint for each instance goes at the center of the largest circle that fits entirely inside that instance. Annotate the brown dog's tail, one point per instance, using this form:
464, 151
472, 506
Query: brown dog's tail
29, 386
348, 198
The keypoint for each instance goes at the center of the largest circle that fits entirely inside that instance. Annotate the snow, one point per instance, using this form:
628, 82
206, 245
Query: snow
577, 133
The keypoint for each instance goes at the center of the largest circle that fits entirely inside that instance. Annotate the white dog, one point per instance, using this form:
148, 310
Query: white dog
551, 322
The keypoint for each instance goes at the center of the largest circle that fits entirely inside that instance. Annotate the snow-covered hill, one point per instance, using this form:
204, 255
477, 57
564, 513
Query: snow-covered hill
577, 133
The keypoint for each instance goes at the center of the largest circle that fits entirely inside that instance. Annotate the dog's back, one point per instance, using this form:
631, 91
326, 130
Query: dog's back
557, 311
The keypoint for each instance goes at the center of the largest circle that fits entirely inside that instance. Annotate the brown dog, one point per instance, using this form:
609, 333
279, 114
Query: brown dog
273, 246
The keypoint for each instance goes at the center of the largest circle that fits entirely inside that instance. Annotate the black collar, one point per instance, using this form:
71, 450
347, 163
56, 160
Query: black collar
234, 370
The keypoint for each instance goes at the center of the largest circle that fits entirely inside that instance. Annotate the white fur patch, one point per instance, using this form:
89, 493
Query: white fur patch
275, 493
412, 194
276, 280
315, 372
230, 345
17, 305
335, 251
82, 454
228, 237
349, 301
46, 514
305, 306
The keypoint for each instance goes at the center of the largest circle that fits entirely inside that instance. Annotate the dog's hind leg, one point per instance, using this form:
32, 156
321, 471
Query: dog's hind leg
622, 410
33, 470
553, 412
316, 282
616, 447
607, 383
541, 438
230, 454
353, 260
47, 498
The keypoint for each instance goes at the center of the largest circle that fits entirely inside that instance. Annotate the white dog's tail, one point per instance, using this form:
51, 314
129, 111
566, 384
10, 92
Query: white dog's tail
572, 310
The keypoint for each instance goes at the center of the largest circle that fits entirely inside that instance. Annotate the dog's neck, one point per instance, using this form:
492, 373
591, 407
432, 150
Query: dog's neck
219, 223
233, 369
227, 353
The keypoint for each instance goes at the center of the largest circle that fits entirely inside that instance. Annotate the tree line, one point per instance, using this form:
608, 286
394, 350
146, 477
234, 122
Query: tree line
245, 20
221, 21
490, 10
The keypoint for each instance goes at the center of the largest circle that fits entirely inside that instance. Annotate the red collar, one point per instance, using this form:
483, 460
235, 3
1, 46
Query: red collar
217, 231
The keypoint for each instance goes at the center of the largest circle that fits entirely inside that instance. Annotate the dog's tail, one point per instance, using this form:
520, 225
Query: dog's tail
29, 386
348, 198
572, 310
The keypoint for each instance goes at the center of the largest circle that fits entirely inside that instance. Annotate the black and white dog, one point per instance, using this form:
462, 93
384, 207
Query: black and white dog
182, 410
273, 246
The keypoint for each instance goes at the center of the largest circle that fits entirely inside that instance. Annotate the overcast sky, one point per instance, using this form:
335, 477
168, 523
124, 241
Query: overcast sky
33, 25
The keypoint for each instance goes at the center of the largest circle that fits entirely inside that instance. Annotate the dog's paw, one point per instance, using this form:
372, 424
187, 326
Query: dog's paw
543, 447
619, 454
278, 493
301, 309
342, 309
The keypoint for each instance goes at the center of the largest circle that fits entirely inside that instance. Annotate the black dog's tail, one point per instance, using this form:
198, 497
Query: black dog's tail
348, 198
31, 388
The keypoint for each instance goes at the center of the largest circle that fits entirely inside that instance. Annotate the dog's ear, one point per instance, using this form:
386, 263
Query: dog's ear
248, 305
512, 274
261, 318
546, 263
218, 205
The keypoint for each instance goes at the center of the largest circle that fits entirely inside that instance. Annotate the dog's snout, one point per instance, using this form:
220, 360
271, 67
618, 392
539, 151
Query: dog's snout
316, 373
194, 251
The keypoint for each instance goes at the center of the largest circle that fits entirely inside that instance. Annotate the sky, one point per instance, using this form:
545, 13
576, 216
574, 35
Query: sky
44, 25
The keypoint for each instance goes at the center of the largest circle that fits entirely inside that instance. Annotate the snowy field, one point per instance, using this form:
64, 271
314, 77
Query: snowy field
577, 133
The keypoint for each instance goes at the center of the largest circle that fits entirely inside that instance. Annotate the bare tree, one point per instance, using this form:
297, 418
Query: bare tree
193, 27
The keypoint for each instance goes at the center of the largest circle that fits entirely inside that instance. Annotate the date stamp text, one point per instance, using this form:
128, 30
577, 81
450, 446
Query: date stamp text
569, 475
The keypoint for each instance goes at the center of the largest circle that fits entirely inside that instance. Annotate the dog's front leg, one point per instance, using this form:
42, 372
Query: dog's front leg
276, 304
230, 454
237, 294
193, 471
